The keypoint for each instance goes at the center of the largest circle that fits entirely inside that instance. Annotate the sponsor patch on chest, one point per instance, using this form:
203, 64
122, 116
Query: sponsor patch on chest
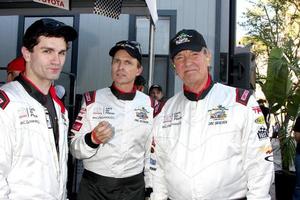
218, 115
105, 112
141, 115
172, 119
28, 116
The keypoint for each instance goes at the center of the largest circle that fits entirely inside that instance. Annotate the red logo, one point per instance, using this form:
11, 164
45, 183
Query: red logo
77, 126
256, 109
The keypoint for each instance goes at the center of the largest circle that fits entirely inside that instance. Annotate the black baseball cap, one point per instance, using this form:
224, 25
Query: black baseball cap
48, 27
155, 86
132, 47
186, 39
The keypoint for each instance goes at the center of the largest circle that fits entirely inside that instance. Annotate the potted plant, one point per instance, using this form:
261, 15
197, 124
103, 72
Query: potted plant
282, 91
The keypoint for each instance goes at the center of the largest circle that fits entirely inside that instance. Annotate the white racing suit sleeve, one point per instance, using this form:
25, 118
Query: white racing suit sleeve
82, 130
157, 160
257, 153
148, 179
6, 131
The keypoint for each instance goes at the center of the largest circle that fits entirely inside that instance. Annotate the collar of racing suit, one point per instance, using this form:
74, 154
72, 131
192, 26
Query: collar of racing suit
46, 101
121, 94
200, 95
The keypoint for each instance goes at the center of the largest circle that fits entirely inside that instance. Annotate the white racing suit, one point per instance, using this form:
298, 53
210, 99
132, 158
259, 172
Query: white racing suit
215, 147
30, 168
128, 151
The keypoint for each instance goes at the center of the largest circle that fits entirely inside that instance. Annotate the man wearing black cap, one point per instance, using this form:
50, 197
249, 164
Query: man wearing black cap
112, 133
209, 140
33, 121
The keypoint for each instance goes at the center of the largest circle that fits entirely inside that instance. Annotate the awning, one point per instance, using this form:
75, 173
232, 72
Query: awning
28, 7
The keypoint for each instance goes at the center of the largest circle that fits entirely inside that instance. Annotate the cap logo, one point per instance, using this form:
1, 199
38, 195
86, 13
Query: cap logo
182, 38
126, 45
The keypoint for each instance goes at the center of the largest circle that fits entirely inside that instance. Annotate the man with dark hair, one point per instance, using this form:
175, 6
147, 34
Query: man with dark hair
209, 139
33, 121
112, 133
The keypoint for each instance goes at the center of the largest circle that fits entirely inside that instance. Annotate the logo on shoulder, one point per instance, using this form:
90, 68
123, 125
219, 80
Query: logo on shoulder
4, 100
242, 96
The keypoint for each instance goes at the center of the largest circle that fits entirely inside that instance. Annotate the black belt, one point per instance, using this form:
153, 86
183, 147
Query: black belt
105, 179
244, 198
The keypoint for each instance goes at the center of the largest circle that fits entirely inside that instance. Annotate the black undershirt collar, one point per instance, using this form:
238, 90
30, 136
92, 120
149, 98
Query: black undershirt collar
123, 95
202, 94
45, 100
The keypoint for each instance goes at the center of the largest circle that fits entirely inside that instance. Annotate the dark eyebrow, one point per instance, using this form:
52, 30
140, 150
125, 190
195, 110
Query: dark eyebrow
49, 48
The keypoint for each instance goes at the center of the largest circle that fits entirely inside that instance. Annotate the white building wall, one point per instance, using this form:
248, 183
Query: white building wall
97, 34
193, 14
8, 41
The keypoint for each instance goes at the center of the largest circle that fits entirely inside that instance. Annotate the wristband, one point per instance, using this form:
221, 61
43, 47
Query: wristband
94, 138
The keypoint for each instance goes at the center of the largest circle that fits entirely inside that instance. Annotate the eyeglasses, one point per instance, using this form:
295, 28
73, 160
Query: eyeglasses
130, 44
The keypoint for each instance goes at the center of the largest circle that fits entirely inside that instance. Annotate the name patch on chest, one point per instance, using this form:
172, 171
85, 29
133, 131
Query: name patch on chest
173, 119
105, 112
28, 116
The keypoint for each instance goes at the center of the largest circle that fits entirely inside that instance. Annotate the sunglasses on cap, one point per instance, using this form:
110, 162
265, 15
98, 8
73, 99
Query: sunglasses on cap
50, 23
131, 44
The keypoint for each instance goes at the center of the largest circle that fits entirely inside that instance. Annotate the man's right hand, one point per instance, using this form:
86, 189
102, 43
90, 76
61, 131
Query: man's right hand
102, 133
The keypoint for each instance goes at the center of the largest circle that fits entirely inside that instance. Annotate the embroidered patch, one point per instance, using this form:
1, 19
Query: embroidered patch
260, 120
262, 133
256, 109
77, 126
242, 96
90, 97
141, 115
182, 38
218, 115
4, 100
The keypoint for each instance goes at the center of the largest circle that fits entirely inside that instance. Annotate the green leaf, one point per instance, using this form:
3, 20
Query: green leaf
277, 83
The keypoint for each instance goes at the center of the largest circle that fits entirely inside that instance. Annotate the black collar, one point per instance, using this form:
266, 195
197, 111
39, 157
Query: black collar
32, 90
195, 97
123, 95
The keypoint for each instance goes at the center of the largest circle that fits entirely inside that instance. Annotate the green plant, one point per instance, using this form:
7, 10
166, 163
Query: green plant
282, 91
274, 29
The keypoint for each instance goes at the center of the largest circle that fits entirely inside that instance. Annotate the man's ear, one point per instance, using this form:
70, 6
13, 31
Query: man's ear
25, 53
173, 65
207, 53
140, 70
